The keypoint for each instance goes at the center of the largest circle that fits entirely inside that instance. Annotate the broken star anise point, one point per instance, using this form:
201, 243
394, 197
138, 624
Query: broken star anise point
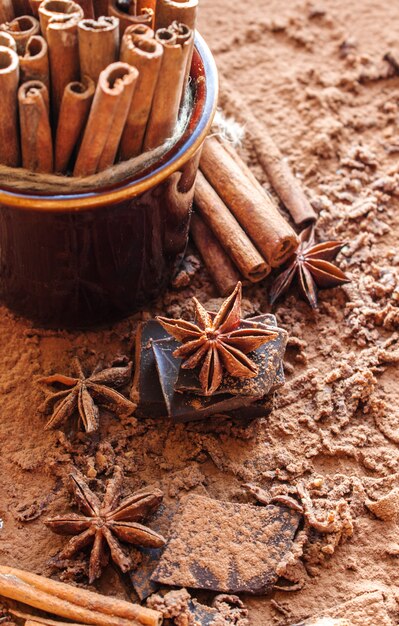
85, 393
104, 524
312, 265
219, 342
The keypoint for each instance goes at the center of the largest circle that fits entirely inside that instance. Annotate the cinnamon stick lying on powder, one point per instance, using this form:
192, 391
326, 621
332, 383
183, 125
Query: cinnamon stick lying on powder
168, 92
107, 118
36, 138
22, 29
6, 11
228, 231
63, 46
146, 55
98, 45
7, 41
217, 262
71, 603
74, 113
130, 19
279, 173
254, 209
168, 11
34, 63
9, 134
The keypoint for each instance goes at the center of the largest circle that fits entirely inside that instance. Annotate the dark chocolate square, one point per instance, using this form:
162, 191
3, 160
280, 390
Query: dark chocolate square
227, 547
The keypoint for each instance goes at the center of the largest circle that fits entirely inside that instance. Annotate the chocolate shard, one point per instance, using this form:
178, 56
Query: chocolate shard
201, 614
268, 358
227, 547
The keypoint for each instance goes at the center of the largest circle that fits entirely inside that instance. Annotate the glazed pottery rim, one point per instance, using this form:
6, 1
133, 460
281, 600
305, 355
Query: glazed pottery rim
130, 189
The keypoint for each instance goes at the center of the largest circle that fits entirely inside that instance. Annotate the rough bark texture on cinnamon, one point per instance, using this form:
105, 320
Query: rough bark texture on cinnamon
228, 231
34, 64
72, 603
253, 208
146, 55
280, 175
98, 45
36, 137
9, 80
168, 92
74, 112
108, 115
22, 29
216, 261
168, 11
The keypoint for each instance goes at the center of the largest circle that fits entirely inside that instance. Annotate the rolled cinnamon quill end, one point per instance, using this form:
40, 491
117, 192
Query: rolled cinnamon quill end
168, 92
107, 118
34, 63
7, 41
185, 36
216, 261
252, 207
168, 11
146, 55
63, 46
6, 11
139, 30
22, 29
146, 4
74, 112
98, 45
61, 10
9, 134
36, 138
127, 19
228, 231
74, 604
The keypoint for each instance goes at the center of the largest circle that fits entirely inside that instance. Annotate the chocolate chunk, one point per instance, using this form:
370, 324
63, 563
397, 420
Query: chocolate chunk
268, 358
146, 390
201, 614
186, 407
227, 547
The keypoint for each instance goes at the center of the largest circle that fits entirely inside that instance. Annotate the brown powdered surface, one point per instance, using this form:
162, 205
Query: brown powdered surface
313, 73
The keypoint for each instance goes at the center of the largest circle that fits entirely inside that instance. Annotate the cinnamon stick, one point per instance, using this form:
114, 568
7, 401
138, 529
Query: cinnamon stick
6, 11
168, 11
185, 35
101, 8
7, 41
22, 29
88, 8
34, 63
168, 92
146, 55
63, 45
74, 113
98, 45
228, 231
253, 208
21, 7
9, 134
61, 10
127, 19
139, 30
216, 261
280, 175
34, 5
107, 118
72, 603
146, 4
36, 138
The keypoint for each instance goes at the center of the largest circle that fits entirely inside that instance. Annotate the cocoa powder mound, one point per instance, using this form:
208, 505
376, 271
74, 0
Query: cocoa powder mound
314, 74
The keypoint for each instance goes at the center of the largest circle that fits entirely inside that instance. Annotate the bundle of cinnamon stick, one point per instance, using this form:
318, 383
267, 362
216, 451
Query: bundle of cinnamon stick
86, 83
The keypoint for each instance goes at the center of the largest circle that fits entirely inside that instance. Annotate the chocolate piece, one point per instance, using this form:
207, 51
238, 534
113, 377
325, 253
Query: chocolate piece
201, 614
227, 547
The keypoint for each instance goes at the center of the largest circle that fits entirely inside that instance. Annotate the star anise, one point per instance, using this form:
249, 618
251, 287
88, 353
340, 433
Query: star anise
104, 524
311, 264
83, 393
219, 341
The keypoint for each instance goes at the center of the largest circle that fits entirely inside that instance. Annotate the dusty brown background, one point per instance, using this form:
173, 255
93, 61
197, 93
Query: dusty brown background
313, 73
